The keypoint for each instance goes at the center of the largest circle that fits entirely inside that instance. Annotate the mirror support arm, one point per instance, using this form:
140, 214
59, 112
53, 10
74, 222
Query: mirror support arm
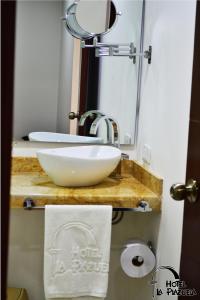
104, 49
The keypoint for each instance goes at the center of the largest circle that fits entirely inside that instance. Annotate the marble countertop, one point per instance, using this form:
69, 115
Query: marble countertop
137, 184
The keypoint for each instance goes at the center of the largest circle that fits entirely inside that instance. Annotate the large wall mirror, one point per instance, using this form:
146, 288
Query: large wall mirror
55, 76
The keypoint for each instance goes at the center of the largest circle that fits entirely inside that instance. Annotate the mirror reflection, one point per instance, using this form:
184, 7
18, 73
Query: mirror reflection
102, 17
54, 76
103, 14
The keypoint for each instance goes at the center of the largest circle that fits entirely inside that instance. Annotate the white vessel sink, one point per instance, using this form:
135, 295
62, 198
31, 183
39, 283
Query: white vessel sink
62, 138
79, 166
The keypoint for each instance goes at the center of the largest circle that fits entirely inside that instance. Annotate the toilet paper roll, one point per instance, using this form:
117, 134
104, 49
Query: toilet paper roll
137, 260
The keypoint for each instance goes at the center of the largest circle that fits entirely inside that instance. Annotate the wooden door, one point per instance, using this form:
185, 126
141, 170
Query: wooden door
7, 55
190, 255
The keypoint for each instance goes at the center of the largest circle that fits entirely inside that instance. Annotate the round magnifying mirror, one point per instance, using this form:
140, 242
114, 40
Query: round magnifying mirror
89, 18
96, 16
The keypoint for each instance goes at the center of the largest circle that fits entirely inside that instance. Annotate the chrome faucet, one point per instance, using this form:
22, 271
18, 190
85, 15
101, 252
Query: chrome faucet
97, 122
112, 127
116, 132
87, 114
115, 140
98, 114
111, 124
113, 134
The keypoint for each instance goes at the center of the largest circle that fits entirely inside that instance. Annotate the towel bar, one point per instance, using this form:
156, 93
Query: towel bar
143, 206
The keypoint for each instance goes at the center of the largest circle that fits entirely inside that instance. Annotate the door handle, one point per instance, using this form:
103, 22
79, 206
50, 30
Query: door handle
188, 191
72, 115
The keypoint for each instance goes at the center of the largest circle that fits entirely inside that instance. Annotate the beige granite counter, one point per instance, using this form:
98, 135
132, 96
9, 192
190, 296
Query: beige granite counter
29, 181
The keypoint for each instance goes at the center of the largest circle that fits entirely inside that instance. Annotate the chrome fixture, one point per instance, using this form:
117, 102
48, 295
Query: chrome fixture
95, 114
79, 29
72, 115
117, 173
143, 206
116, 132
189, 191
105, 49
112, 127
91, 114
96, 123
113, 135
124, 156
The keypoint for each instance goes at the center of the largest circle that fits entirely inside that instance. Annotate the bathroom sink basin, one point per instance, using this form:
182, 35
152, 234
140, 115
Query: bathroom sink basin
79, 166
62, 138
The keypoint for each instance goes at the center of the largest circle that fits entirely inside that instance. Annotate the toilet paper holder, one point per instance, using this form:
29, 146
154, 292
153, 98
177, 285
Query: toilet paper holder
138, 258
148, 243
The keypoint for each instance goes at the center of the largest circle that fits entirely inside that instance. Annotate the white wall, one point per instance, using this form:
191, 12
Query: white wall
164, 113
65, 77
37, 61
43, 68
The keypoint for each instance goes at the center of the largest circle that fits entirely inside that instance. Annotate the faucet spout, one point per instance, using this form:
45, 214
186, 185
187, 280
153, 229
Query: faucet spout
113, 136
95, 125
116, 134
112, 126
89, 113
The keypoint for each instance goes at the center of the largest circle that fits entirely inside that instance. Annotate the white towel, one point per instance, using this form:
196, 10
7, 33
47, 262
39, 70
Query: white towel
77, 251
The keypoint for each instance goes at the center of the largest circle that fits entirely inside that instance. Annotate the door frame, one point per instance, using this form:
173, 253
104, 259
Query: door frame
8, 9
190, 262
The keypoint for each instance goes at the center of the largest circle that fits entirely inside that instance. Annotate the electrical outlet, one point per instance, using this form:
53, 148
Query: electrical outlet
127, 138
146, 154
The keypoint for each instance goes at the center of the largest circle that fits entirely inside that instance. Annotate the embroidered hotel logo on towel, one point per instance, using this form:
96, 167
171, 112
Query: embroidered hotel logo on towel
87, 260
75, 250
